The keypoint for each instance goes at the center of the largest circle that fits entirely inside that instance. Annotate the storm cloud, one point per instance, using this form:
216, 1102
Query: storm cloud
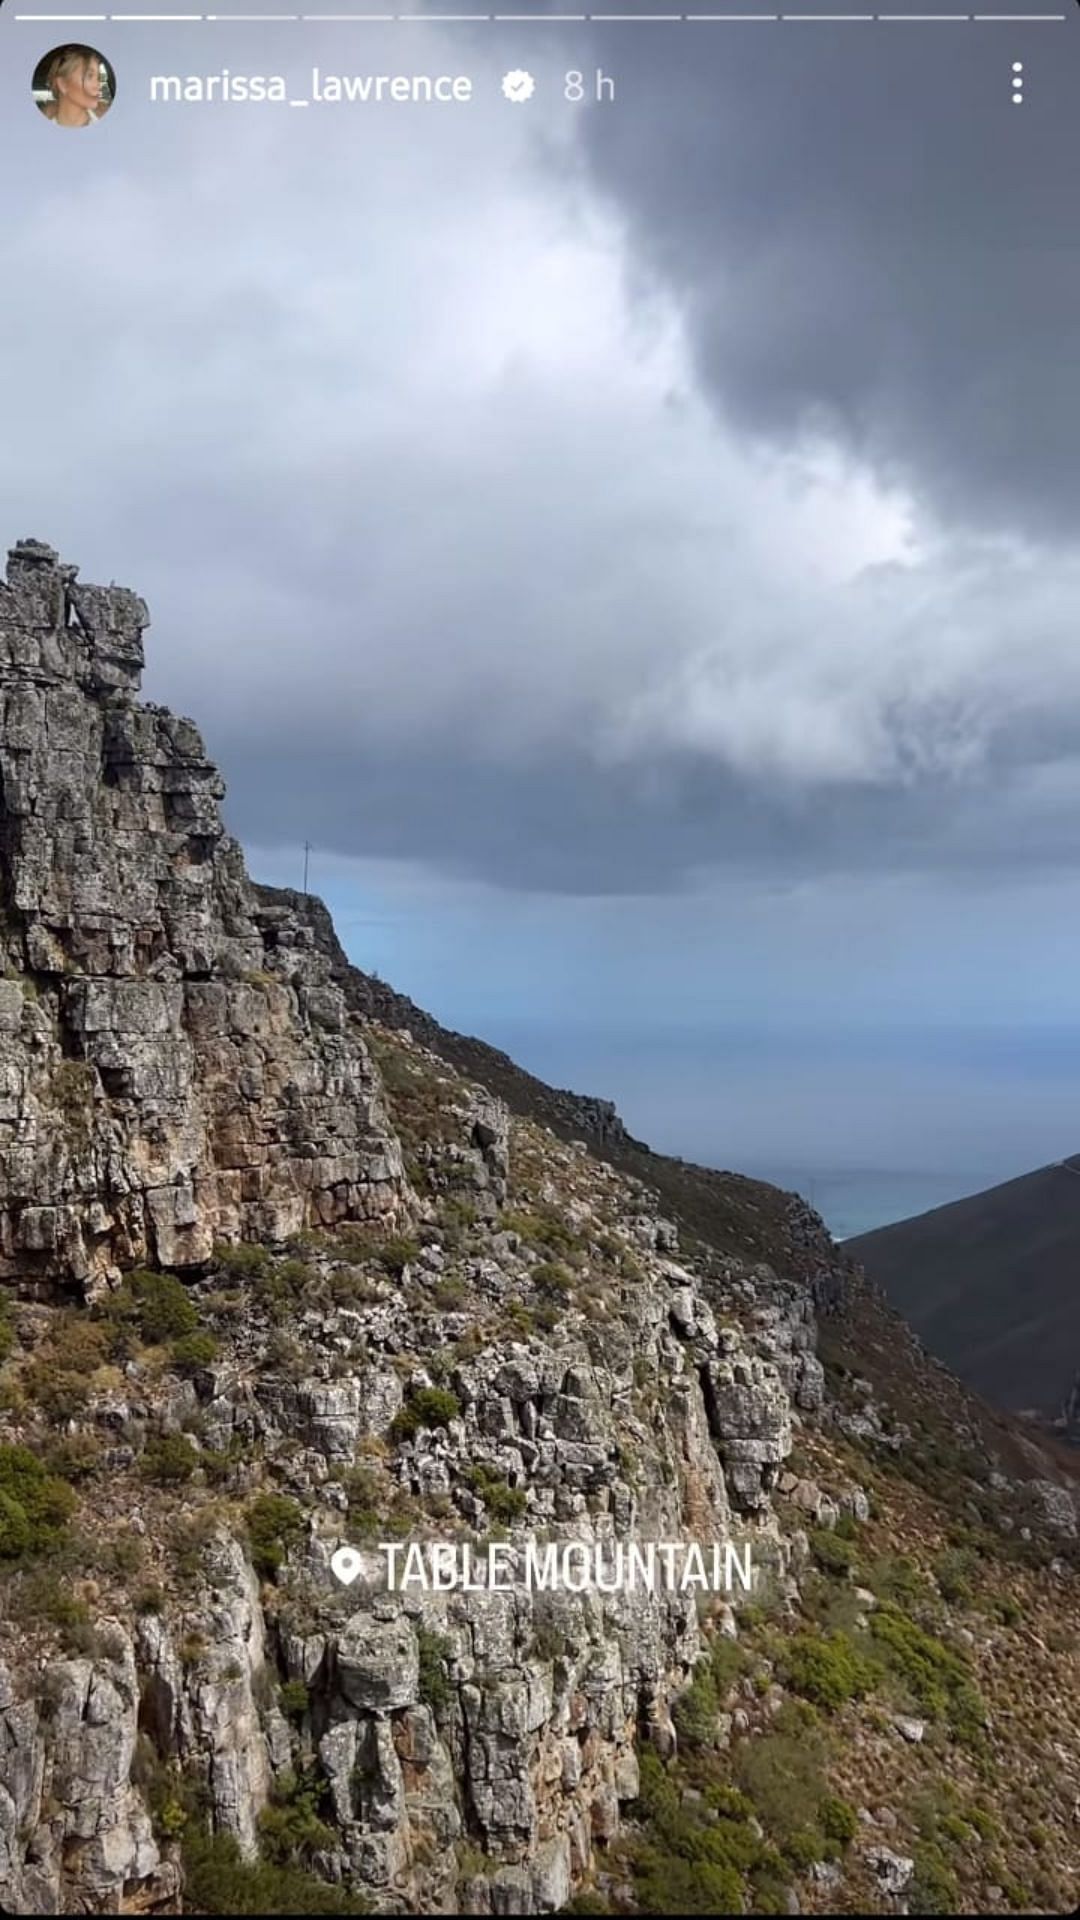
666, 500
585, 500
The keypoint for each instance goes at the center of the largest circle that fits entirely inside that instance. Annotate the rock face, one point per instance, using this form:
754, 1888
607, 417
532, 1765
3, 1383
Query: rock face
569, 1114
538, 1360
498, 1727
65, 1762
175, 1067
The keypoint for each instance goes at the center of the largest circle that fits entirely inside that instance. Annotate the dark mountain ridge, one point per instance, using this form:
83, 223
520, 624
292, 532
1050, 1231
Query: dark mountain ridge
992, 1284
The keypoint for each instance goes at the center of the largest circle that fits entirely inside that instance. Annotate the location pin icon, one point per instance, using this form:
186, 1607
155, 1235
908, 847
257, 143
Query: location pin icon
345, 1565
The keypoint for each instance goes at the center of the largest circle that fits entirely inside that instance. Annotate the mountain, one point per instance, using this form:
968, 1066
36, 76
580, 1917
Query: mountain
287, 1268
990, 1283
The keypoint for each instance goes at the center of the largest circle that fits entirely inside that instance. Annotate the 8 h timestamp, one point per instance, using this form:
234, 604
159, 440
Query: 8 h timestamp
597, 86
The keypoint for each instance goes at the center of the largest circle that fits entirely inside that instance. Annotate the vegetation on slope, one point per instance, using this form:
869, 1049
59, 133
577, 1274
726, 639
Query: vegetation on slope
914, 1694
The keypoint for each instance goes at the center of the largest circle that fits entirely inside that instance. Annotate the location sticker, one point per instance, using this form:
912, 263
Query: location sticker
346, 1564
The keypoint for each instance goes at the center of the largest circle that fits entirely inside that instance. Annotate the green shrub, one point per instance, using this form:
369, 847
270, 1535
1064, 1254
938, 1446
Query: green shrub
273, 1522
728, 1661
502, 1501
16, 1533
937, 1678
770, 1889
191, 1535
656, 1789
48, 1597
803, 1848
192, 1352
839, 1820
953, 1827
695, 1711
169, 1459
428, 1407
35, 1505
782, 1774
351, 1286
458, 1212
367, 1499
280, 1285
293, 1699
691, 1858
397, 1253
218, 1465
449, 1295
290, 1829
243, 1260
157, 1304
953, 1572
434, 1685
983, 1823
170, 1819
76, 1457
932, 1888
171, 1798
665, 1884
218, 1881
728, 1801
57, 1379
896, 1578
827, 1671
552, 1277
542, 1228
831, 1551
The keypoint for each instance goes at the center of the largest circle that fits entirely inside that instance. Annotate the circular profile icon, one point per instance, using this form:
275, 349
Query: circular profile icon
73, 85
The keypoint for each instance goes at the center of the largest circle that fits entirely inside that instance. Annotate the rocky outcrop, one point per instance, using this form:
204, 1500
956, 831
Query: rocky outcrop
66, 1762
569, 1114
176, 1066
498, 1727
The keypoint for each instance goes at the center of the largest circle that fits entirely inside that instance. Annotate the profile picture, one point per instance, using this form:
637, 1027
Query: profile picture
74, 85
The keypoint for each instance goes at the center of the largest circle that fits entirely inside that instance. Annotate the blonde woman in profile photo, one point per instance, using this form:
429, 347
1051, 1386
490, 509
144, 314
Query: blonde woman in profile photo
76, 82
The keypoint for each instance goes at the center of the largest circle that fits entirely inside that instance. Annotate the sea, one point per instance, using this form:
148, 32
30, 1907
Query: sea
853, 1202
980, 1109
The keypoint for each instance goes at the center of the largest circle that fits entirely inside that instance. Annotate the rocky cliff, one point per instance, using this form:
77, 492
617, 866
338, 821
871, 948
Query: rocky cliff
277, 1278
571, 1115
176, 1066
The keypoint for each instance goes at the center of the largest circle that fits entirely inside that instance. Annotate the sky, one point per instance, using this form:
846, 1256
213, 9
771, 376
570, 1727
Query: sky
632, 542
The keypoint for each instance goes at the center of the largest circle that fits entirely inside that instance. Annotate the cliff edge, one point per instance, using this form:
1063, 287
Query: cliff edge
176, 1066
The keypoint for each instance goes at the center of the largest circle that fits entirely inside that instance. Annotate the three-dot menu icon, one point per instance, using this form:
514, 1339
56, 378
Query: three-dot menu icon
1018, 83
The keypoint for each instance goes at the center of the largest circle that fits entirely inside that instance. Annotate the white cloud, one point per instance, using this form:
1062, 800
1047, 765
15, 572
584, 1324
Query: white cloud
370, 413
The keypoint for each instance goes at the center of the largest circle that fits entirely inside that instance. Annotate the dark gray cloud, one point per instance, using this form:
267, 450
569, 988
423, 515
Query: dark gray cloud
591, 500
870, 241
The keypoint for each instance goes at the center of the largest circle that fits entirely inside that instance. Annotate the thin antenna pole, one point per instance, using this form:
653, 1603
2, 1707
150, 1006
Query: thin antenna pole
307, 850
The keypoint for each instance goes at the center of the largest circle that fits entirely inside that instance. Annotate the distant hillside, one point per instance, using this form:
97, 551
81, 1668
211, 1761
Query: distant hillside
992, 1284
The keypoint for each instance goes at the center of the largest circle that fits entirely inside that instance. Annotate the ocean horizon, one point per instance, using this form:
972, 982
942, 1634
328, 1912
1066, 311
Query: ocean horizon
855, 1201
876, 1107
